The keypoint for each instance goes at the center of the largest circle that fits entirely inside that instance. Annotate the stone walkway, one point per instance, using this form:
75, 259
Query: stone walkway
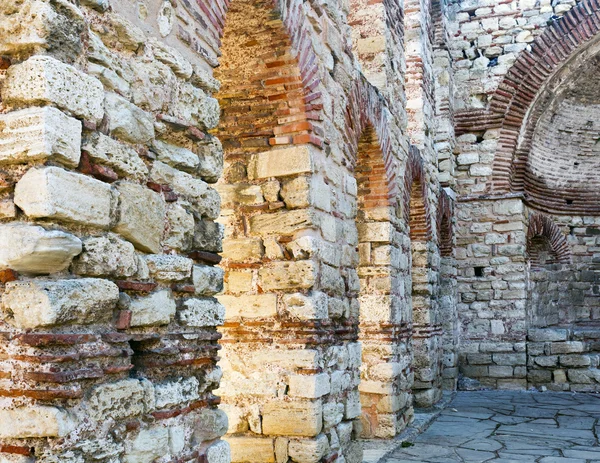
510, 427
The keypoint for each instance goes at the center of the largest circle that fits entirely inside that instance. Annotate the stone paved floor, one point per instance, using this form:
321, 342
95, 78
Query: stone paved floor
510, 427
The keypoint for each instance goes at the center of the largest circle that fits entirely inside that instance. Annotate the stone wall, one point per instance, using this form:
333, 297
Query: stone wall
108, 242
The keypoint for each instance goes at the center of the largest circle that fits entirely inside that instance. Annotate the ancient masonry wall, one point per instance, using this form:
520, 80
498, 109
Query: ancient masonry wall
108, 240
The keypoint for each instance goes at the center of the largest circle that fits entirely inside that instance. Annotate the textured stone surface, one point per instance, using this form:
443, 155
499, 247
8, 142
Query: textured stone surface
42, 79
33, 249
47, 303
35, 134
51, 192
35, 421
124, 159
201, 312
106, 256
156, 309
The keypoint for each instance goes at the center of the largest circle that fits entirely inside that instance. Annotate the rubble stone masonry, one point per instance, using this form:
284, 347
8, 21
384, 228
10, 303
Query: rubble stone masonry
256, 231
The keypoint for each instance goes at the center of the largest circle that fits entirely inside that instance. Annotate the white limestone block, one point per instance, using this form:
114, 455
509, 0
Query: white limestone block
168, 267
201, 312
52, 192
32, 249
35, 134
45, 80
34, 421
156, 309
47, 303
121, 157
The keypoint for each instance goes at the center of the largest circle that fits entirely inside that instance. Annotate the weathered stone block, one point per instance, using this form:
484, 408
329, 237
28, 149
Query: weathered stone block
171, 393
208, 236
292, 418
141, 216
288, 275
51, 192
243, 249
219, 452
208, 281
180, 231
567, 347
167, 267
309, 450
156, 309
249, 306
120, 400
45, 80
127, 121
34, 421
309, 386
148, 445
307, 307
36, 134
546, 335
280, 162
106, 256
121, 157
46, 303
32, 249
201, 312
175, 156
251, 449
282, 223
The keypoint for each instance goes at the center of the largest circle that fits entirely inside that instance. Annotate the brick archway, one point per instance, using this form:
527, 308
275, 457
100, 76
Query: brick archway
415, 197
518, 102
544, 234
444, 224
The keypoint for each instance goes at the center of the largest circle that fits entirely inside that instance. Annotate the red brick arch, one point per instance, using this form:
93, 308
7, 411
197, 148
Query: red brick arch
513, 106
543, 229
444, 224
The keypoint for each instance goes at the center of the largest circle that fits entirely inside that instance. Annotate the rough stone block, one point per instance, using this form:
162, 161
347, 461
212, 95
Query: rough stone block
128, 122
171, 393
34, 421
180, 231
201, 312
156, 309
219, 452
251, 449
32, 249
309, 450
282, 223
45, 80
106, 256
309, 386
210, 424
288, 275
51, 192
46, 303
167, 267
546, 335
175, 156
307, 307
208, 236
148, 445
292, 418
243, 249
249, 306
36, 134
568, 347
280, 162
120, 400
208, 281
141, 216
377, 232
121, 157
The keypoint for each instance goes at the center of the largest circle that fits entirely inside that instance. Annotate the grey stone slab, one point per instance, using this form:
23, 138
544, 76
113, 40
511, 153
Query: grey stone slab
489, 445
475, 456
582, 452
561, 460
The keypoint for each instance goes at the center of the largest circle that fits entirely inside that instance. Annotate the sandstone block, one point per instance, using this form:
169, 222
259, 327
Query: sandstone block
308, 450
208, 281
171, 393
201, 312
219, 452
296, 192
249, 306
34, 421
51, 192
333, 413
210, 153
148, 445
127, 121
180, 232
243, 249
194, 106
46, 303
309, 386
167, 267
32, 249
45, 80
280, 162
251, 449
293, 418
141, 216
288, 275
121, 157
156, 309
36, 134
378, 232
282, 223
119, 400
204, 200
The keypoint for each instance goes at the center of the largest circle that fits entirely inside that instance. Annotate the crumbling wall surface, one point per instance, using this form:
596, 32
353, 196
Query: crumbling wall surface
108, 345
